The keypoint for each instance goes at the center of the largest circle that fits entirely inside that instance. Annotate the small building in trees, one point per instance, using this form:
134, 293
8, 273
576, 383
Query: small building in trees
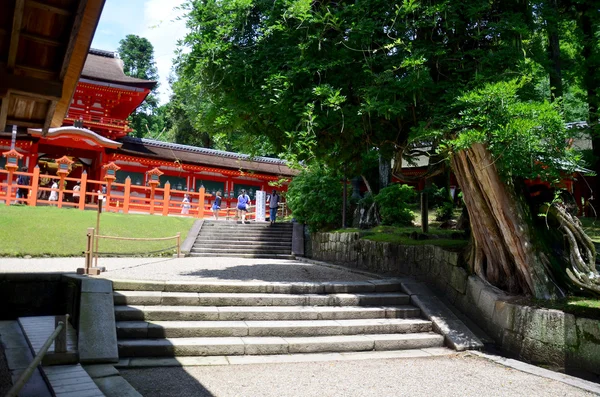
95, 133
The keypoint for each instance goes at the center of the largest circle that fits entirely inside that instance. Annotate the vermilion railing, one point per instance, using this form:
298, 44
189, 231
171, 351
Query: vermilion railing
119, 197
97, 119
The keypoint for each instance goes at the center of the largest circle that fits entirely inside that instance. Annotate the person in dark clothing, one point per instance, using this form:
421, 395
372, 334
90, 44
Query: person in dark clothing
23, 180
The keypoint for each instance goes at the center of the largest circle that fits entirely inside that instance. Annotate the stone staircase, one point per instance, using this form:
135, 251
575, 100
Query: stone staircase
250, 240
168, 319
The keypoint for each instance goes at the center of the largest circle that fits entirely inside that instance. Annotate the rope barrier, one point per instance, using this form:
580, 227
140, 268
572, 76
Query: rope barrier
133, 254
137, 238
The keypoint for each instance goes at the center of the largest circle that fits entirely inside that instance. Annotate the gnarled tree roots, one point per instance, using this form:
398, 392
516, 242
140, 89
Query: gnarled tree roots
582, 252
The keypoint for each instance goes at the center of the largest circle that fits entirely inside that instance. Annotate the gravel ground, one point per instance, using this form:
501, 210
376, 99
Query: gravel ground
458, 375
189, 269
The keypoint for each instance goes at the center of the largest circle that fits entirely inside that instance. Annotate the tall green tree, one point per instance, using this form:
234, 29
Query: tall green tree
137, 54
331, 80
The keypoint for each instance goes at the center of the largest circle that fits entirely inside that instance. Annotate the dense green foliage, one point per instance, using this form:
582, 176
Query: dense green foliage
392, 204
332, 80
315, 198
137, 54
526, 138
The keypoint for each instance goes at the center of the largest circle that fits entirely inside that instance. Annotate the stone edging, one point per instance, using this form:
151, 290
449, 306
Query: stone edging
537, 335
192, 235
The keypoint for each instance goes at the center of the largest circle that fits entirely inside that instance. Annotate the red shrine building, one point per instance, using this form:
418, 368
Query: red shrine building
95, 133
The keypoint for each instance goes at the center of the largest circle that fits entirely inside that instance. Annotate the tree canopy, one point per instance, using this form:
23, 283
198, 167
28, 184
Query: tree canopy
475, 80
137, 54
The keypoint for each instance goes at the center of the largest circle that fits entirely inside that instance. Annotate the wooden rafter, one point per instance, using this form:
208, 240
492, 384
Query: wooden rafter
49, 115
47, 7
29, 85
4, 112
73, 38
41, 39
16, 31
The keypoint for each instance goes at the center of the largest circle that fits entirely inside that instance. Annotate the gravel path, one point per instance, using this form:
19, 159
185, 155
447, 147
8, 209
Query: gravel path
457, 375
189, 269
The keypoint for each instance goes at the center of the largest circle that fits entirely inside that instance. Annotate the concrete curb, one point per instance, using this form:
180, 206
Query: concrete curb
192, 235
542, 372
96, 328
186, 361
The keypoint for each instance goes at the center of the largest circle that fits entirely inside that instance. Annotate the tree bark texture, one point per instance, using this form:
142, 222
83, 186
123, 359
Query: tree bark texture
503, 252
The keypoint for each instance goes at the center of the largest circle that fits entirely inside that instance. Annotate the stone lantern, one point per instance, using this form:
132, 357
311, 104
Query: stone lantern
12, 160
12, 165
153, 180
110, 175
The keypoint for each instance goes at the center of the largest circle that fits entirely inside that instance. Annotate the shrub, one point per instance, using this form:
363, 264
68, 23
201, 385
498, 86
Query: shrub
392, 203
315, 198
444, 212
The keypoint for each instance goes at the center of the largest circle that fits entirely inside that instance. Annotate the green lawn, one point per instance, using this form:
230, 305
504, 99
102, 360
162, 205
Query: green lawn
50, 231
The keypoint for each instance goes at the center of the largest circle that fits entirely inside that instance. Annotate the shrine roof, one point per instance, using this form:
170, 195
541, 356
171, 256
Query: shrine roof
198, 155
105, 66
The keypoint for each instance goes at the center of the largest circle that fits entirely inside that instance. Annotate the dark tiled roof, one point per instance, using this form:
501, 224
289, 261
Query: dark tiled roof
107, 67
204, 156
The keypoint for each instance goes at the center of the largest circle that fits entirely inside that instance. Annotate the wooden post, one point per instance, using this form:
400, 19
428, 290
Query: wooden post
89, 255
9, 187
126, 195
107, 195
178, 245
201, 203
152, 187
166, 198
100, 202
424, 212
61, 187
35, 185
60, 343
82, 191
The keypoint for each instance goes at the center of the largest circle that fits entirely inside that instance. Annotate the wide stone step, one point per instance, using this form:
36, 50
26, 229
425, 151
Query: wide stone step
260, 313
150, 298
246, 250
239, 224
234, 255
243, 243
193, 329
244, 236
227, 346
245, 229
389, 285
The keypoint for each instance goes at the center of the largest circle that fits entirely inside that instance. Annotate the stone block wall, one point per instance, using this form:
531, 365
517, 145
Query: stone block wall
540, 336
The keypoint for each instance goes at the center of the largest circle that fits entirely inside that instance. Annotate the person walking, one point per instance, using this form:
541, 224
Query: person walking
273, 201
77, 192
23, 189
217, 205
54, 192
185, 205
242, 206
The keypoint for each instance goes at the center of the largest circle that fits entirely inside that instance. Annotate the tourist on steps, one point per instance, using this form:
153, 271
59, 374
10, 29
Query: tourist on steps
273, 200
217, 205
242, 206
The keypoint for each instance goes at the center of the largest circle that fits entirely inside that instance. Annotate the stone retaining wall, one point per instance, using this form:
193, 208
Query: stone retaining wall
536, 335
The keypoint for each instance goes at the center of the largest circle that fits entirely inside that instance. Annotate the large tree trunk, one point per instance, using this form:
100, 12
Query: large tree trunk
503, 251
